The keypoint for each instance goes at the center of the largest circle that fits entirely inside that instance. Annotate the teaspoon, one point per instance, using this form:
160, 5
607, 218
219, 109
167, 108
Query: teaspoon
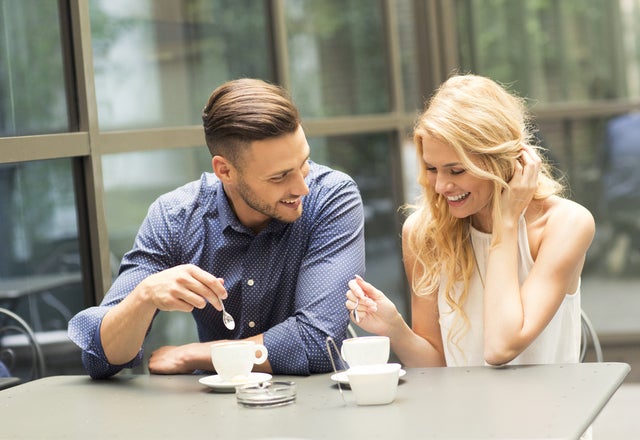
227, 319
355, 311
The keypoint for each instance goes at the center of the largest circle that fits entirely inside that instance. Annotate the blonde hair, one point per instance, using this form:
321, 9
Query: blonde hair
487, 127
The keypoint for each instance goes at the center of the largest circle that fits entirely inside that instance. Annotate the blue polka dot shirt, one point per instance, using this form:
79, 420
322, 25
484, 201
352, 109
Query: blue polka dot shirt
287, 282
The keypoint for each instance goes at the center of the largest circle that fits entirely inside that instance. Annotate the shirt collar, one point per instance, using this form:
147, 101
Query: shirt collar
228, 218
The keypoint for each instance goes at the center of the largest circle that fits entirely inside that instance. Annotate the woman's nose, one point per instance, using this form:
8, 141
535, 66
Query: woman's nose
442, 183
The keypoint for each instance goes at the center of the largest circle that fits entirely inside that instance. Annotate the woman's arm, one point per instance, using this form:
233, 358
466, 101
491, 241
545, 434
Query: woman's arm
416, 346
560, 233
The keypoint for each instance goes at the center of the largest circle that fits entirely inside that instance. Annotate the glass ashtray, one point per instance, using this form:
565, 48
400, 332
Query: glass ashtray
266, 394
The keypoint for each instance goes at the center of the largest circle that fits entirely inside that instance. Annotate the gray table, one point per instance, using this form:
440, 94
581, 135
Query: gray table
527, 402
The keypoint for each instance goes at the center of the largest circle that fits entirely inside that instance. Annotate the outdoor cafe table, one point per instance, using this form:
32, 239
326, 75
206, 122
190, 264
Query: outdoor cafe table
524, 402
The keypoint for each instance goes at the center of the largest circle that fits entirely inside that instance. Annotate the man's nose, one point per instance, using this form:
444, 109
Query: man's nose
300, 187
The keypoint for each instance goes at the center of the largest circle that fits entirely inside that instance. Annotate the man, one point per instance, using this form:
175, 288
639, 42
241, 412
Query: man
271, 233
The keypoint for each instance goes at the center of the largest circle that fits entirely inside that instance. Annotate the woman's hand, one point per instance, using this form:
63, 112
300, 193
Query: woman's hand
522, 185
376, 313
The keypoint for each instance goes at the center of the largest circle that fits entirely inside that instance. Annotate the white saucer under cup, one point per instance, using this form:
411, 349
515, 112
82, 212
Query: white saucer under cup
217, 383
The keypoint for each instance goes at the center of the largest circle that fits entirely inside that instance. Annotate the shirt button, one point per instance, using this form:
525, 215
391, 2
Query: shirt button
250, 282
252, 324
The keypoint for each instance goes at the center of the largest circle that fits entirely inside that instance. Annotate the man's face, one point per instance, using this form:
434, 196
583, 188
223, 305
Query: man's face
270, 181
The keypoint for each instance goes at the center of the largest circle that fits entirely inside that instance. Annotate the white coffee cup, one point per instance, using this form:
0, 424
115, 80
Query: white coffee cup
234, 360
365, 350
374, 384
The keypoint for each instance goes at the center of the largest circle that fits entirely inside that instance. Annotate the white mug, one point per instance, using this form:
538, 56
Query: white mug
365, 350
374, 384
234, 360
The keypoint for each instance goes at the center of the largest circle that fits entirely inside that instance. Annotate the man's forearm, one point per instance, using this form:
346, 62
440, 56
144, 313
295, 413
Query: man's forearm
124, 327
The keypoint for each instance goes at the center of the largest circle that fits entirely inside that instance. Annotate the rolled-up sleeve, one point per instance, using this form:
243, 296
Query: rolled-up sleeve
149, 255
84, 330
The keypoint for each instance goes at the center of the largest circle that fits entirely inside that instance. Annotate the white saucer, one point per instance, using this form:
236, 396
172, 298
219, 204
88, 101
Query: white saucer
217, 383
344, 380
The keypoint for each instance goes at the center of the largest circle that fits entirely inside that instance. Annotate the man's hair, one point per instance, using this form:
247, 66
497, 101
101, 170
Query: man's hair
246, 110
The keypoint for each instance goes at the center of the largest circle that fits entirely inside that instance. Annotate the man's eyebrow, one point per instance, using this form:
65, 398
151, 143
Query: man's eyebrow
288, 170
279, 173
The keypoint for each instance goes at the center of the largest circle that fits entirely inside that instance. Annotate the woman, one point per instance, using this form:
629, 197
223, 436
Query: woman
492, 252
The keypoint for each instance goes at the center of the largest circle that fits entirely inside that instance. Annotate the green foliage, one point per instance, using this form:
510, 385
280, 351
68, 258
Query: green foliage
32, 87
554, 50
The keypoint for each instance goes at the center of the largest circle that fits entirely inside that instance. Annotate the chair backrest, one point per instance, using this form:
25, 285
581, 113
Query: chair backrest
589, 335
17, 343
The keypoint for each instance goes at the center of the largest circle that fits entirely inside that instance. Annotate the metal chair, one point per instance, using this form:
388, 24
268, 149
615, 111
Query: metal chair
16, 338
589, 335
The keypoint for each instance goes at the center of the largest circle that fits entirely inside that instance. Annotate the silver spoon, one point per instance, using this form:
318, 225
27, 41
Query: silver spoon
355, 311
227, 319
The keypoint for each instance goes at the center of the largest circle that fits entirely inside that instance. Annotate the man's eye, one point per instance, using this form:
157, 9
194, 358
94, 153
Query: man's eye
279, 178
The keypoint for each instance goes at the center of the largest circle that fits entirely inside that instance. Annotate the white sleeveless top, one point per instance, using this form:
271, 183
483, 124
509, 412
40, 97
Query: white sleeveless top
559, 342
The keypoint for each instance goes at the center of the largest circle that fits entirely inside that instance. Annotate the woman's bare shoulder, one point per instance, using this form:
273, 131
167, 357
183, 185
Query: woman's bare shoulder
564, 217
569, 210
410, 223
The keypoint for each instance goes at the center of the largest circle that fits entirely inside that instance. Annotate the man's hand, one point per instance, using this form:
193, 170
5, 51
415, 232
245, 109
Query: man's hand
183, 359
182, 288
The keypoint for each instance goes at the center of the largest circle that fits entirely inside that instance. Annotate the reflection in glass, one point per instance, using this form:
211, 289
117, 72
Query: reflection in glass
602, 160
32, 87
366, 159
338, 57
40, 266
156, 63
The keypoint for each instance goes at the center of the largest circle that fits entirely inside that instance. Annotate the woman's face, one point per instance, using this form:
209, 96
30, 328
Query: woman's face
466, 194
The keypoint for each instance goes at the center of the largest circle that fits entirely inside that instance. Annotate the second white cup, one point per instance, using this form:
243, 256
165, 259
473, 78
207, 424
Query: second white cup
234, 360
365, 350
374, 384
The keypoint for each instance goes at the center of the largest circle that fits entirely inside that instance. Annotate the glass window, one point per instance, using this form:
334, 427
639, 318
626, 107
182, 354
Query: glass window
382, 239
553, 51
132, 181
32, 83
40, 266
338, 57
413, 99
156, 63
